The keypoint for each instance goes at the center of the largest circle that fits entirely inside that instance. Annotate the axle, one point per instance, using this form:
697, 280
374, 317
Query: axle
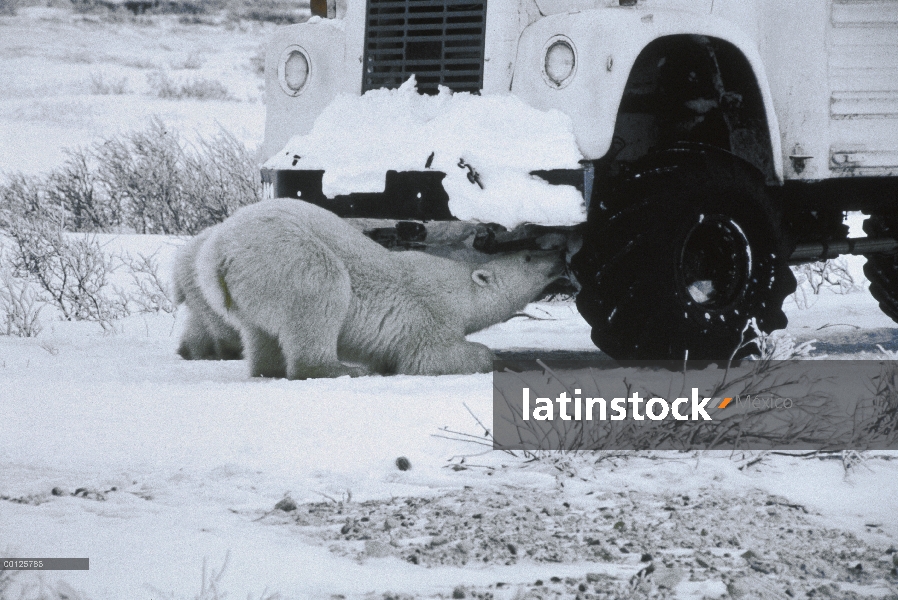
814, 251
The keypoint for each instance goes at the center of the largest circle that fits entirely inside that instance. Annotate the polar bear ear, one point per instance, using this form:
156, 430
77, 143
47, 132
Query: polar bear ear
482, 278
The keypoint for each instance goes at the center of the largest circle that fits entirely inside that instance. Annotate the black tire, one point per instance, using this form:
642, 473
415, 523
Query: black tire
679, 256
882, 269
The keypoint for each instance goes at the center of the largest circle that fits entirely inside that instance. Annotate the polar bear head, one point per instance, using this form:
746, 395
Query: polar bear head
506, 284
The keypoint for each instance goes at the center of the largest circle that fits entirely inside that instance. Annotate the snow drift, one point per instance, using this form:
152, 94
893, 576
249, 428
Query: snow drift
357, 139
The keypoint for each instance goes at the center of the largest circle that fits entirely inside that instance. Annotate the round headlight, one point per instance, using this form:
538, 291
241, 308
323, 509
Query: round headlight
560, 62
293, 70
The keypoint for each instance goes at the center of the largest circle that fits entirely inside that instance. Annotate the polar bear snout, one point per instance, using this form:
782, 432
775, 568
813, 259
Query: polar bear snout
550, 264
553, 261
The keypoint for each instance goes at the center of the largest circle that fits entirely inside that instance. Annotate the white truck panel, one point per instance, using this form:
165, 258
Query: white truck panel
863, 83
792, 44
287, 116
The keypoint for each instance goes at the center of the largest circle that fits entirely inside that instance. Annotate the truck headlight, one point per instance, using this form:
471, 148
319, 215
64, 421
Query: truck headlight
293, 70
561, 62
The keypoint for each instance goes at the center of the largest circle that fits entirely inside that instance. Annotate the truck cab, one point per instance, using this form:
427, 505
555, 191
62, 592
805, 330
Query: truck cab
717, 143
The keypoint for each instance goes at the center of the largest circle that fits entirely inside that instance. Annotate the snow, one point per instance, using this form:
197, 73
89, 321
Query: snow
338, 23
187, 443
357, 139
199, 454
51, 62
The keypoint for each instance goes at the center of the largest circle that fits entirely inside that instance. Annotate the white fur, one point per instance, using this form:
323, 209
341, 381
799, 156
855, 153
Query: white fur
314, 297
206, 335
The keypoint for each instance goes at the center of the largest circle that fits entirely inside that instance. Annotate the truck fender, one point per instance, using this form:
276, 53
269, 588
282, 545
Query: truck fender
607, 43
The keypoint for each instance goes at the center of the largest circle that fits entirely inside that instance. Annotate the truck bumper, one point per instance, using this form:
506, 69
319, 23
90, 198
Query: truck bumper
407, 195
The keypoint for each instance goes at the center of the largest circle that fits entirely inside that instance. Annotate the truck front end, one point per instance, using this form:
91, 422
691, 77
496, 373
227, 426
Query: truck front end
640, 136
401, 110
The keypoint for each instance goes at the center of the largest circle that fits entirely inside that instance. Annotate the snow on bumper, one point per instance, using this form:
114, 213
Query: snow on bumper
482, 152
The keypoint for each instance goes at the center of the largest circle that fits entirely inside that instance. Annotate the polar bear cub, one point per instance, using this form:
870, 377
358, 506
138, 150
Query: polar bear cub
206, 334
314, 297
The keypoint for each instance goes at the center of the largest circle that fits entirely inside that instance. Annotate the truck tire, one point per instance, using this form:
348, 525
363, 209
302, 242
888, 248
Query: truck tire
882, 269
679, 256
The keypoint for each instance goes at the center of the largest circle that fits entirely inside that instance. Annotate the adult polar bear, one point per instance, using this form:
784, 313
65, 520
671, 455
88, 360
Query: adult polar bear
314, 297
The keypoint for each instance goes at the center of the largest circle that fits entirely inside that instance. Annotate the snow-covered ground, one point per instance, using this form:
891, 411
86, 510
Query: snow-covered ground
114, 448
160, 463
70, 79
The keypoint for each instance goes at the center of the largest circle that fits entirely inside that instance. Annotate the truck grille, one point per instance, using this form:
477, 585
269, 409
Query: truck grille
439, 41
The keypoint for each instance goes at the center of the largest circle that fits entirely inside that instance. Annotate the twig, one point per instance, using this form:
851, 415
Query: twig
531, 317
446, 437
486, 431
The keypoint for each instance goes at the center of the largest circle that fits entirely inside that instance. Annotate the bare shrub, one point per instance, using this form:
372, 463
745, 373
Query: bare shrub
152, 294
20, 306
162, 85
205, 89
223, 178
74, 189
832, 275
23, 196
180, 7
197, 89
147, 181
100, 86
883, 419
98, 7
197, 11
142, 172
777, 345
279, 12
72, 272
199, 20
140, 62
167, 187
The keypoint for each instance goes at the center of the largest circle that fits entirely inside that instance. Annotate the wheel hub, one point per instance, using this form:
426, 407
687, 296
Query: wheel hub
715, 262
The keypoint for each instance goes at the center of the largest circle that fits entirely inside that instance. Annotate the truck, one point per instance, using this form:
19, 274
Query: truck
721, 142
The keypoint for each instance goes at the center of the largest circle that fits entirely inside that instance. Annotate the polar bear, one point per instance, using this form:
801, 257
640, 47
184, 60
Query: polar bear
206, 335
314, 297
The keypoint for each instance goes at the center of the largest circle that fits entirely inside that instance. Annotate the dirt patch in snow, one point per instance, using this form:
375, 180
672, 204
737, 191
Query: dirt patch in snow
754, 545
